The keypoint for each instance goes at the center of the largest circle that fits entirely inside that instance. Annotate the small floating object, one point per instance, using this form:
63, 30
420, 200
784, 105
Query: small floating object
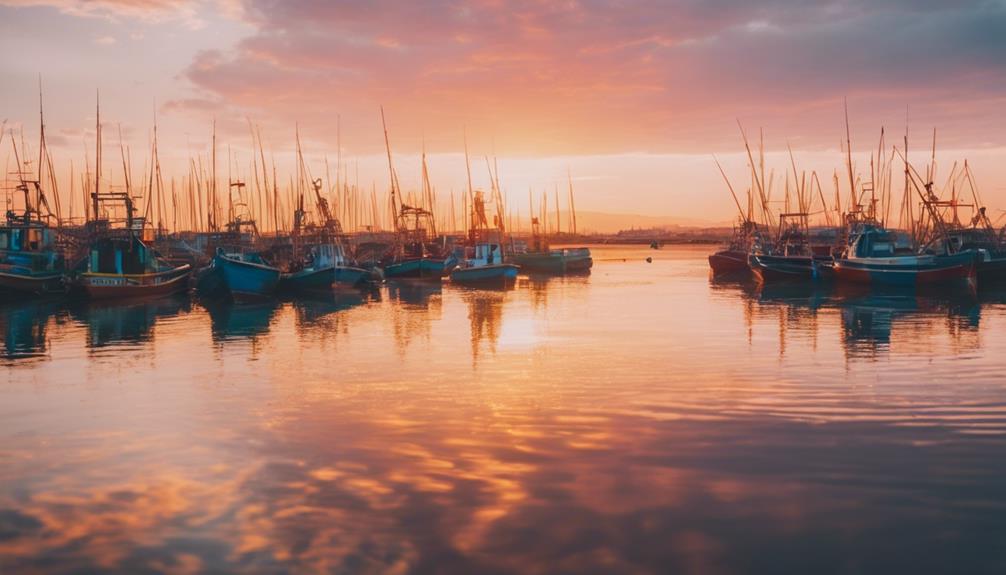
649, 260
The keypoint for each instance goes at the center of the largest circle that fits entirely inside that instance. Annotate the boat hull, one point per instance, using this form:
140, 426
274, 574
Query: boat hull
572, 260
247, 280
783, 268
992, 270
910, 271
129, 286
725, 262
31, 284
418, 268
323, 279
495, 274
349, 276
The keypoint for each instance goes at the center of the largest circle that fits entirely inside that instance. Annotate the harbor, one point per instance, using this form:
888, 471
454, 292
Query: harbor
410, 288
439, 424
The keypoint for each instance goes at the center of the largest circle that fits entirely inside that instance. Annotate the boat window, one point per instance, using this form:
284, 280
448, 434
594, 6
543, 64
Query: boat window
883, 249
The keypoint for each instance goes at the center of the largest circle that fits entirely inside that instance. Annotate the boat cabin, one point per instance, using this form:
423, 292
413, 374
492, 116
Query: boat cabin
486, 254
326, 255
29, 247
122, 255
872, 242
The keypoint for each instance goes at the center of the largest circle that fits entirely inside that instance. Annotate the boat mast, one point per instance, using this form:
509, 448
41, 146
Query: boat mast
97, 156
572, 206
391, 171
848, 160
468, 169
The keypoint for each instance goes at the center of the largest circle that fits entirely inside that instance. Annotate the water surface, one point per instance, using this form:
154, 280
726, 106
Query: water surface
643, 419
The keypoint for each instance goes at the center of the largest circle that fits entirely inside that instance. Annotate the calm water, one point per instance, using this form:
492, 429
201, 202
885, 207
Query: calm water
642, 419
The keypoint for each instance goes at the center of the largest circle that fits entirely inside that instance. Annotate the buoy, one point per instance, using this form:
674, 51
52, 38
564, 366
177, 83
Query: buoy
649, 260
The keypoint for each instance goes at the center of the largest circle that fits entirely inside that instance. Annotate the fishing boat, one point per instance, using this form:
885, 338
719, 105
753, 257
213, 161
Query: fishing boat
556, 261
791, 257
414, 256
990, 244
119, 263
484, 262
244, 275
324, 264
323, 268
732, 259
123, 266
485, 267
539, 257
872, 259
31, 263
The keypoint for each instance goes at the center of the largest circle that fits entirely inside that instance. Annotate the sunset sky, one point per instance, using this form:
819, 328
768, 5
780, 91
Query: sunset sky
632, 97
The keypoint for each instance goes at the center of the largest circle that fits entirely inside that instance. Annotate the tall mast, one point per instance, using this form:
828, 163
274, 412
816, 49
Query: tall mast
468, 166
213, 181
848, 159
41, 149
97, 155
558, 222
390, 168
572, 206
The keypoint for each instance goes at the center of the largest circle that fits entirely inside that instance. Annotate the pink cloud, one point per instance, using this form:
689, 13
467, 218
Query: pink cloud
598, 77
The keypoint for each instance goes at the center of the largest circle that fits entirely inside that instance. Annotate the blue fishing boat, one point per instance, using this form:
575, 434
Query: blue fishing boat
420, 267
31, 263
325, 267
323, 264
246, 275
485, 267
540, 258
414, 256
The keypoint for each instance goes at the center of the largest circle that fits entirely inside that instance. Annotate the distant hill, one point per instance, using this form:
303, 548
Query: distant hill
610, 223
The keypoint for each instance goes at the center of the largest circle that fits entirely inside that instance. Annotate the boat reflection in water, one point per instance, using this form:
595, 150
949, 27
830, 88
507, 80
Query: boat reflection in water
414, 305
543, 286
485, 314
416, 293
634, 425
322, 315
872, 319
25, 325
317, 307
111, 323
240, 320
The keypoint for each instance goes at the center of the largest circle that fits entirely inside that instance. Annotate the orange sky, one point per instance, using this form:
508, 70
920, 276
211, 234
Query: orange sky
632, 97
